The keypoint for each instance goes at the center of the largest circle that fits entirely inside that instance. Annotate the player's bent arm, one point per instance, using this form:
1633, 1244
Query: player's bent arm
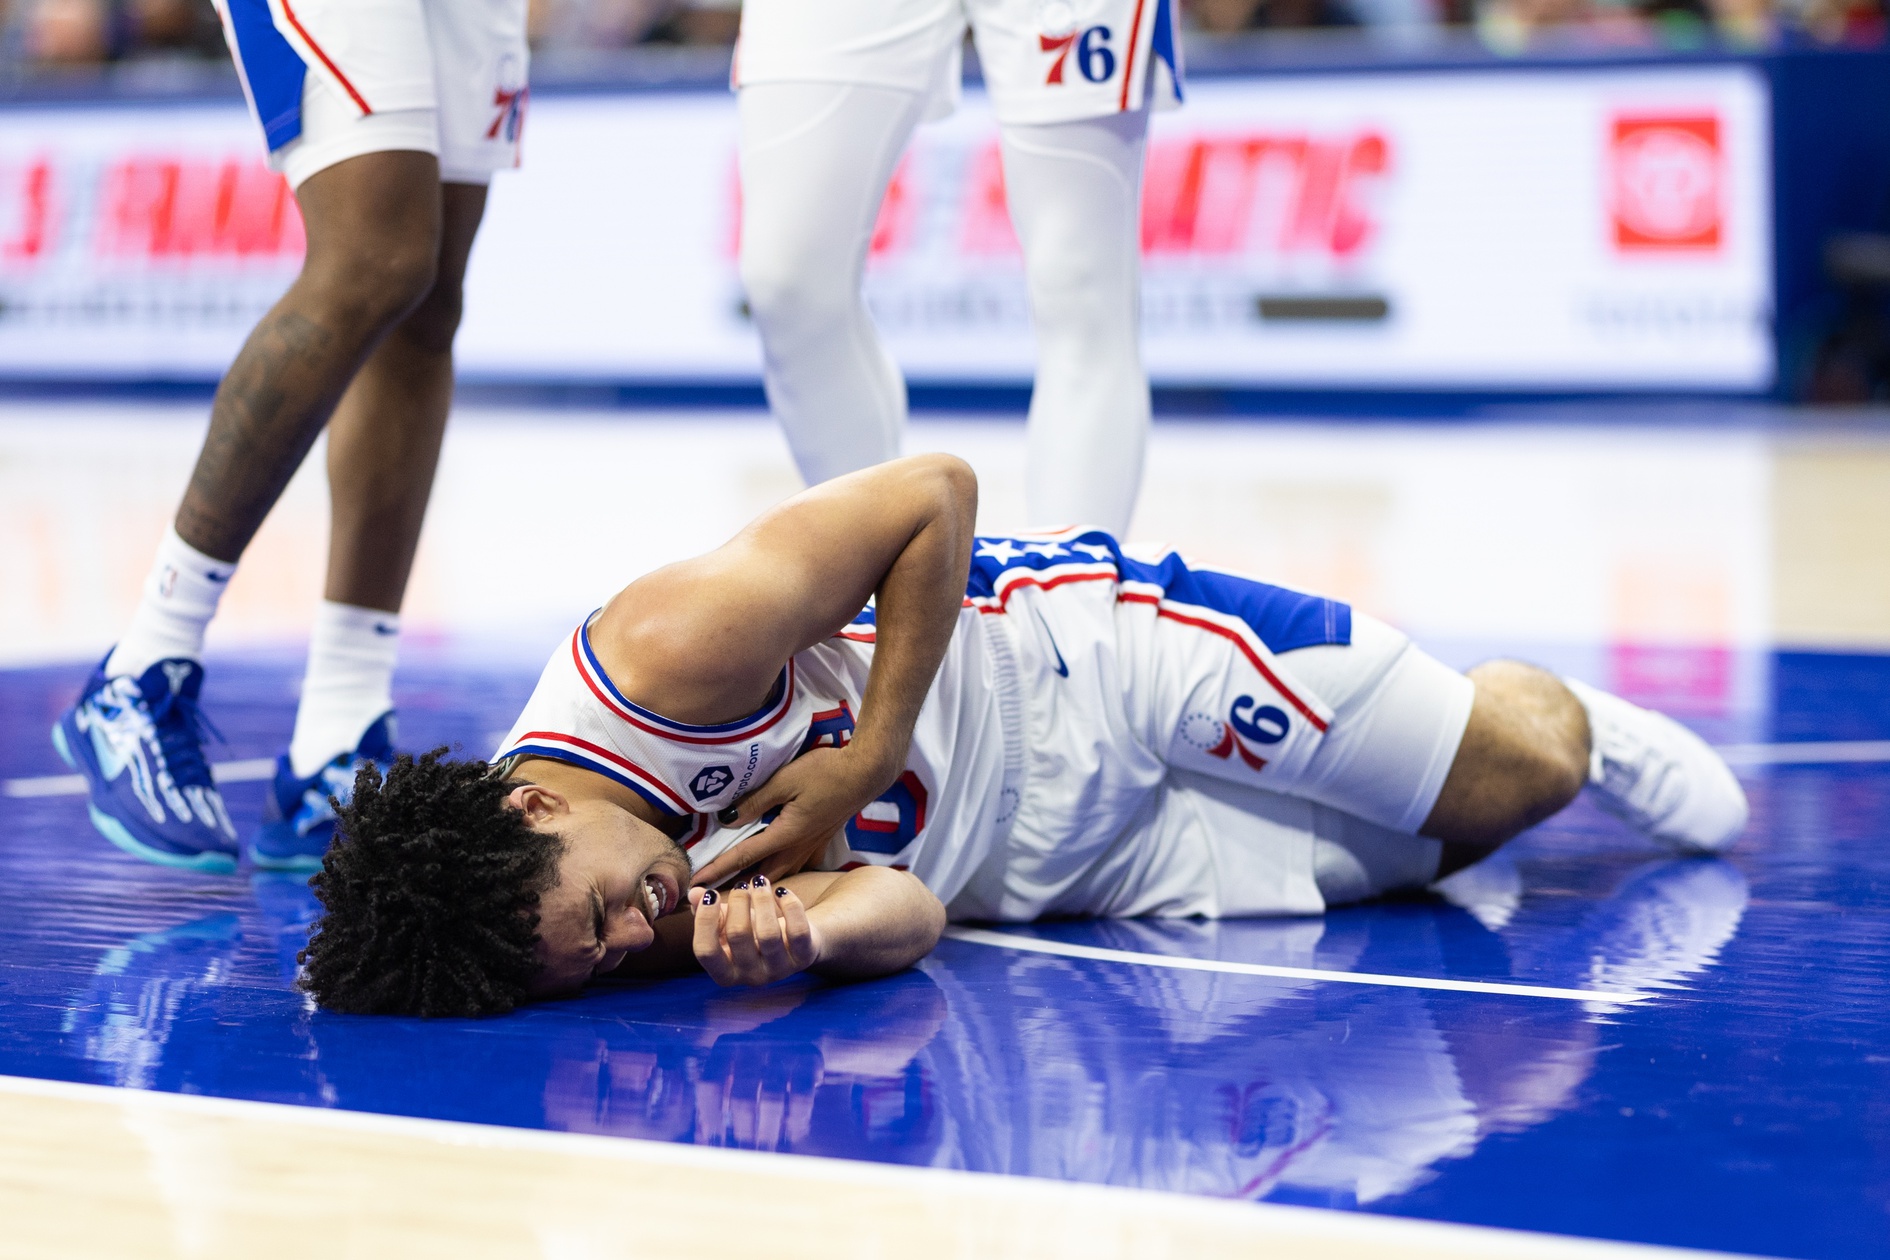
704, 639
869, 921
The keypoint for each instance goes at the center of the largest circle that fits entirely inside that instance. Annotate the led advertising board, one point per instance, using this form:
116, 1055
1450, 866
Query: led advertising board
1515, 229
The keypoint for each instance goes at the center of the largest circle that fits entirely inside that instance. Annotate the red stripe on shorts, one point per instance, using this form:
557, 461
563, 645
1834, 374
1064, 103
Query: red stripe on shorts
1128, 69
333, 69
1253, 658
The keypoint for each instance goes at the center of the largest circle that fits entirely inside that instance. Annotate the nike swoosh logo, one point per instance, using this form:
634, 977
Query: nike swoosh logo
381, 629
1062, 669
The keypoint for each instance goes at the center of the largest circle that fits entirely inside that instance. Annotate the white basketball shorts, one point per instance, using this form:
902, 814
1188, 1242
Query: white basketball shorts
1202, 743
328, 80
1045, 61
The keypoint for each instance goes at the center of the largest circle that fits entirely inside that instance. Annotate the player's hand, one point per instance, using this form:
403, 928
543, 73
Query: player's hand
753, 935
816, 793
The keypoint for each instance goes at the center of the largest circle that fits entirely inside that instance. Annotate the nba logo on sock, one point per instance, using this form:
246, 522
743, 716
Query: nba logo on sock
1666, 189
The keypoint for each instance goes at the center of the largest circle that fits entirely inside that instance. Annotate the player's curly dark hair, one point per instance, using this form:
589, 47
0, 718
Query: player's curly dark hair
430, 892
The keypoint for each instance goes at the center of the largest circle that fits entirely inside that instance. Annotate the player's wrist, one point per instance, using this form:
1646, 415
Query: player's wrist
877, 762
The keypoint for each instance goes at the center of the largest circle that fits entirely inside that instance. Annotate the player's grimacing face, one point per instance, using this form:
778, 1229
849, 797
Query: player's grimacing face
617, 876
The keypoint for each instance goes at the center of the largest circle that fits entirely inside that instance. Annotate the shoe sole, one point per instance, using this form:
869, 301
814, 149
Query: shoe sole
299, 863
120, 837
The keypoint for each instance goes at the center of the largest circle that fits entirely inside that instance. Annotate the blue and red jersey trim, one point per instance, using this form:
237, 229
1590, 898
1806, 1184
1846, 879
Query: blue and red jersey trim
592, 671
582, 753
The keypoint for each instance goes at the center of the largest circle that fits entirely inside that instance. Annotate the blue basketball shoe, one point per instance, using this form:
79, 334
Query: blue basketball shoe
298, 816
138, 743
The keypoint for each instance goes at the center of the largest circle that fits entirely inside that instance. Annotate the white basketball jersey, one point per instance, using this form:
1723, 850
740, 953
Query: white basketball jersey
1076, 679
937, 819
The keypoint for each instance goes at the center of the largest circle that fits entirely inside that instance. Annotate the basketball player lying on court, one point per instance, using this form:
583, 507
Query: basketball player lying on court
1016, 727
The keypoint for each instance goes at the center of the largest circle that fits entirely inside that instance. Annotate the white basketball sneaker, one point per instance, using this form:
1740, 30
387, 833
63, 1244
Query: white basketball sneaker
1648, 769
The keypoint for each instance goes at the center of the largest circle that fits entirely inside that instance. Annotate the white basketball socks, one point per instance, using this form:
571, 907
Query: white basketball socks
180, 596
349, 682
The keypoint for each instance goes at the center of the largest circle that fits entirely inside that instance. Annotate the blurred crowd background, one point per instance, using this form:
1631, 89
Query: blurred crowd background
50, 38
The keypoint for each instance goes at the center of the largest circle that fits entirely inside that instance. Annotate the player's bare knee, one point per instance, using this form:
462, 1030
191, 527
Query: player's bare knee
377, 277
1523, 757
1537, 732
434, 323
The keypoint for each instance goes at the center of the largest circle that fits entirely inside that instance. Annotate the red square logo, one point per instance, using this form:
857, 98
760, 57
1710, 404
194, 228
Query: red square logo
1666, 183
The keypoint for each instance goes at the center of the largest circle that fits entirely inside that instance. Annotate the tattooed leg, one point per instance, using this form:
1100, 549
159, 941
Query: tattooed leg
373, 225
384, 440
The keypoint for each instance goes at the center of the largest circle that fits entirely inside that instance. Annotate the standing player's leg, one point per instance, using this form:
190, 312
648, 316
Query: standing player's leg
1075, 197
373, 229
383, 447
815, 161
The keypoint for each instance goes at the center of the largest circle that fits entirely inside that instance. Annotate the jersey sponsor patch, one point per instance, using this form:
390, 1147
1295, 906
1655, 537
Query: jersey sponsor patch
710, 780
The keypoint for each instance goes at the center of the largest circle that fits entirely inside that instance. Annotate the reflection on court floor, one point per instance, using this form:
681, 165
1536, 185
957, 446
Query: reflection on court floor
1735, 1106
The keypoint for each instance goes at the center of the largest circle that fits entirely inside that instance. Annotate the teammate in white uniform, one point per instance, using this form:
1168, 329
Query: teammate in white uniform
829, 96
1015, 727
387, 117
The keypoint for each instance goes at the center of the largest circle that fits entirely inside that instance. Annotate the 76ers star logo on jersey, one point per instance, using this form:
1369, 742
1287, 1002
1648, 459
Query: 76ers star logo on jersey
709, 780
1246, 723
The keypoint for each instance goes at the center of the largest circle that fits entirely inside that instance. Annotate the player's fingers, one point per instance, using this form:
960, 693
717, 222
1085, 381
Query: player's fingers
748, 852
797, 932
781, 788
748, 912
769, 945
739, 857
721, 867
707, 938
792, 860
788, 831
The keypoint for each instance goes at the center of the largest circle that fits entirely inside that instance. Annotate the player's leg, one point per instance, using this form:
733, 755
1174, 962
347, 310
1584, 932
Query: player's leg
1522, 758
384, 444
1075, 197
373, 225
383, 447
815, 162
1302, 696
1473, 760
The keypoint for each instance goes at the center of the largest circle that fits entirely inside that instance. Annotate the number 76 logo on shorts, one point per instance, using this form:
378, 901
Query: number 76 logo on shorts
1095, 60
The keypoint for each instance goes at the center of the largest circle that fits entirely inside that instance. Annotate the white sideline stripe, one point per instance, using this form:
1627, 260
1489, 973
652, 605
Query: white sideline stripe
1031, 944
1835, 752
1350, 1234
250, 771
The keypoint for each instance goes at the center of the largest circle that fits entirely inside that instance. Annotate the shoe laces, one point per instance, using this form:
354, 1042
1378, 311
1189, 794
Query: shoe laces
182, 727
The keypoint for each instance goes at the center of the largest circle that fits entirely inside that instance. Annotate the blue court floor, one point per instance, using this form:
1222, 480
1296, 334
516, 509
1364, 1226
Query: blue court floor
1729, 1089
